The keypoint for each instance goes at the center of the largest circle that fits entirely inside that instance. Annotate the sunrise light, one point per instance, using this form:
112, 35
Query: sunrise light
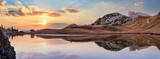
43, 22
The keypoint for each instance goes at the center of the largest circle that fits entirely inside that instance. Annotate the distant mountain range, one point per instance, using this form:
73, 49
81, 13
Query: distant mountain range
135, 22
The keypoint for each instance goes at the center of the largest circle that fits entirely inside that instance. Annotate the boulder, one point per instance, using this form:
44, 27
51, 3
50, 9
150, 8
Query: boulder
6, 50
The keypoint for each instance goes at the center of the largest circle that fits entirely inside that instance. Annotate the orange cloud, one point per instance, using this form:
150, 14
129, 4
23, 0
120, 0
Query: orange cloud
49, 14
54, 14
118, 9
2, 3
70, 10
139, 5
57, 25
23, 10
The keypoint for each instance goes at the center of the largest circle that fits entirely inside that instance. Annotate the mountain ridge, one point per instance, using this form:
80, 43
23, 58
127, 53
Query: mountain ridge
113, 23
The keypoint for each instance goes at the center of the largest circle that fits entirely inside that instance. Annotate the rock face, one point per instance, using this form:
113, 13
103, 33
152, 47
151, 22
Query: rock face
159, 14
114, 19
6, 50
134, 14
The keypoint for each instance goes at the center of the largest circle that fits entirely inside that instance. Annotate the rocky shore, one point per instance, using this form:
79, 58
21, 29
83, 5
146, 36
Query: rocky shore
6, 50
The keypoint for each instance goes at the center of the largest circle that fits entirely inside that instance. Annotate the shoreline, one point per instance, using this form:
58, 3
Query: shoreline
87, 33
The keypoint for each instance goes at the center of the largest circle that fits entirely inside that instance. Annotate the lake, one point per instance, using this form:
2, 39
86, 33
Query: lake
86, 47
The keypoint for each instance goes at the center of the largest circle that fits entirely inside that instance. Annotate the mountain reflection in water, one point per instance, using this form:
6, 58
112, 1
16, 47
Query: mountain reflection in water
116, 42
87, 47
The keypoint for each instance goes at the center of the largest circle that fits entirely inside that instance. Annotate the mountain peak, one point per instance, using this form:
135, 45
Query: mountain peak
114, 18
134, 14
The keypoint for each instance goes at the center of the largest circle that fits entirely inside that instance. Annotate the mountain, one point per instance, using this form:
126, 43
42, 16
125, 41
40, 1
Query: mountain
134, 14
112, 23
150, 23
114, 19
115, 42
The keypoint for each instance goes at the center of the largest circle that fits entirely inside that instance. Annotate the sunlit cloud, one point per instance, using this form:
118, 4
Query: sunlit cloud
43, 23
139, 5
19, 2
118, 9
2, 3
18, 10
57, 25
45, 13
70, 10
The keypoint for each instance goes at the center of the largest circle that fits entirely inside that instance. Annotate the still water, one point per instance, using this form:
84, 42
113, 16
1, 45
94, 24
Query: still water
87, 47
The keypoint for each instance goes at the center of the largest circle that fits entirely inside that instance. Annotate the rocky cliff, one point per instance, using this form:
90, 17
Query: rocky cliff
6, 50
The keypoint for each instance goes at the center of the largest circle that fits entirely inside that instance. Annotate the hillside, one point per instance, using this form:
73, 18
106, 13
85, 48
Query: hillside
112, 23
148, 23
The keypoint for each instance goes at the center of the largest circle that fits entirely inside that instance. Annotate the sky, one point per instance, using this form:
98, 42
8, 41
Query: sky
56, 14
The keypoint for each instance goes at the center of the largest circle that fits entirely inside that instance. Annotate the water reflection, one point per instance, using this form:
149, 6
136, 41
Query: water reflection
87, 47
117, 42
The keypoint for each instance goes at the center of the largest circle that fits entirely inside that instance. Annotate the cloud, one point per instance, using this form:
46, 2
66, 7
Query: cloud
139, 5
70, 10
19, 2
118, 9
17, 10
54, 14
48, 14
2, 2
57, 25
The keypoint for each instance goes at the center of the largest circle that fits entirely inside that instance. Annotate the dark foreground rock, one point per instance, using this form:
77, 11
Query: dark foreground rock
6, 50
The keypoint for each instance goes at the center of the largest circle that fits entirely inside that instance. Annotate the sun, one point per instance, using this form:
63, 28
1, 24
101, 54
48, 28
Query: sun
43, 23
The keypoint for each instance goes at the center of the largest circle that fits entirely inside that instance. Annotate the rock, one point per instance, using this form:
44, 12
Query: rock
134, 14
114, 19
2, 51
72, 25
159, 14
6, 50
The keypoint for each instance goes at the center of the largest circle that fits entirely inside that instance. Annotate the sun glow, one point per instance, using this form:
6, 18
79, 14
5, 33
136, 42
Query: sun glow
44, 15
43, 23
